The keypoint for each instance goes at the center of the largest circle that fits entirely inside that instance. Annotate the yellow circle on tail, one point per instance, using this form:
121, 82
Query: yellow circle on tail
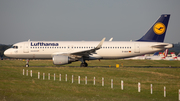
159, 28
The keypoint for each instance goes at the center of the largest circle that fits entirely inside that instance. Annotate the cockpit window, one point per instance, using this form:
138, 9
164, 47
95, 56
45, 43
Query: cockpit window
14, 47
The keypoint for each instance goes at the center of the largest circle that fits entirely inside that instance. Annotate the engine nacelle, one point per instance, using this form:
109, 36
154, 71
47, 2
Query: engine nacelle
61, 60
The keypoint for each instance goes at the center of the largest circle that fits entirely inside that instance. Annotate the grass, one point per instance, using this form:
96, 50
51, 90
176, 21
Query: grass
15, 86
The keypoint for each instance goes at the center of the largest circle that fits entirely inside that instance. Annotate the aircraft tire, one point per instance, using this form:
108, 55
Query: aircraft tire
83, 65
26, 65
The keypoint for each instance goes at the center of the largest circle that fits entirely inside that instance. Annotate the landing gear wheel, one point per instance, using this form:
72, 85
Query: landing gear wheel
84, 64
26, 65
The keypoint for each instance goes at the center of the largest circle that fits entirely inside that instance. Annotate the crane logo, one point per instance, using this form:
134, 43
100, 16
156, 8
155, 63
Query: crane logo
159, 28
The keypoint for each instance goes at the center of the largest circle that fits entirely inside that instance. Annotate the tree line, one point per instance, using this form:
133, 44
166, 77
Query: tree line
3, 48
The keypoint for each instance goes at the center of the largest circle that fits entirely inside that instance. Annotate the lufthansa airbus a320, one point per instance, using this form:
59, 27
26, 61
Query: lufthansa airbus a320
65, 52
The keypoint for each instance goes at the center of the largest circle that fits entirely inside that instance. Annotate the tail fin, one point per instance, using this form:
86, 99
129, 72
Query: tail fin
156, 54
178, 55
173, 54
165, 52
158, 31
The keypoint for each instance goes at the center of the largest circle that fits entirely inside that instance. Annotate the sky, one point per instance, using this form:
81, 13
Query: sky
88, 20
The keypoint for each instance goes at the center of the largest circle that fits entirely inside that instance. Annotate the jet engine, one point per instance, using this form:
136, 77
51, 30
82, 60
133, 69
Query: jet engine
61, 60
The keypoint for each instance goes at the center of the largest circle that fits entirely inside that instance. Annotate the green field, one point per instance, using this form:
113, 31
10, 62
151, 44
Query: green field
14, 86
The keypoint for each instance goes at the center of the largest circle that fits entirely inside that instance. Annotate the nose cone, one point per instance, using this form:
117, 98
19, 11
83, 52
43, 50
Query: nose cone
7, 52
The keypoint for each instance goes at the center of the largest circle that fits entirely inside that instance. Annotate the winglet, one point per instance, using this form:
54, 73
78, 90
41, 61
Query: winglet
100, 44
111, 39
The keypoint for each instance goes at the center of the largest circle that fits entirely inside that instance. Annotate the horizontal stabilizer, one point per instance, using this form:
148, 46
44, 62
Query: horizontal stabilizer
162, 45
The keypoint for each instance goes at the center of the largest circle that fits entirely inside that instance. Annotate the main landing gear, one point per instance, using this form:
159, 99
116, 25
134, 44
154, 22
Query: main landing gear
27, 63
84, 64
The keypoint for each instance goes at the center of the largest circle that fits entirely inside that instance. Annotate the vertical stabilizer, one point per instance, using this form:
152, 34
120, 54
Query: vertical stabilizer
158, 31
156, 54
165, 52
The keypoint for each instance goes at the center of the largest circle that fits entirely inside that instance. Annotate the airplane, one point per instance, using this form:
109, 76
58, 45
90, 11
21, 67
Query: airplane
173, 57
158, 56
66, 52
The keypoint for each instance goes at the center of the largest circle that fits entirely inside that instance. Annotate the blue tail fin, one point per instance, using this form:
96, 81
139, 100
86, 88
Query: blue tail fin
178, 55
158, 31
156, 53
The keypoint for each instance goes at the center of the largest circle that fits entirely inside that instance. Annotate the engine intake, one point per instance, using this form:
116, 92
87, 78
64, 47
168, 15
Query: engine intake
61, 60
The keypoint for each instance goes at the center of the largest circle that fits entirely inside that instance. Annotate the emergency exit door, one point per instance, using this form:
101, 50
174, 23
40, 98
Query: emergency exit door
137, 48
26, 47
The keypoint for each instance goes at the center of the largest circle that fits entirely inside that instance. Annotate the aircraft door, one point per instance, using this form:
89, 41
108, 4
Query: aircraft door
137, 48
26, 47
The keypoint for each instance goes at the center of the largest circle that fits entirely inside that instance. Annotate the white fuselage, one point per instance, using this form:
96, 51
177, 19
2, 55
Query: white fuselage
109, 50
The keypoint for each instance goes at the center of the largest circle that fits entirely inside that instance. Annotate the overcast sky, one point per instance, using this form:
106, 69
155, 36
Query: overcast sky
89, 20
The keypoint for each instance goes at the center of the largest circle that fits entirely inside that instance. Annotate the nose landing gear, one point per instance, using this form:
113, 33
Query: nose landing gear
27, 63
